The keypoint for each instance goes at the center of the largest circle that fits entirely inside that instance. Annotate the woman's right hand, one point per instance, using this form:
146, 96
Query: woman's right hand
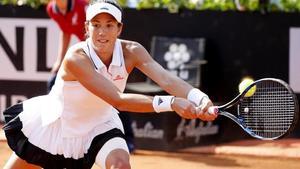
184, 108
189, 110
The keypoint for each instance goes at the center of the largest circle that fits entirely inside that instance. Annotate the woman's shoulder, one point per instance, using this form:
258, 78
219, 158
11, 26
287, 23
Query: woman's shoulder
134, 52
130, 46
129, 43
78, 45
76, 49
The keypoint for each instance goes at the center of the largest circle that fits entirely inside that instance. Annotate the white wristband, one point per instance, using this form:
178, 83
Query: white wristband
162, 103
196, 96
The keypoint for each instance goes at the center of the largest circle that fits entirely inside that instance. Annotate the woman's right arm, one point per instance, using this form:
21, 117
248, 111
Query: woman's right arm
80, 68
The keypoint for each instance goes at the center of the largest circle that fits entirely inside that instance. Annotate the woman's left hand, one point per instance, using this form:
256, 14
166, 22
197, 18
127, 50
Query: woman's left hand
203, 113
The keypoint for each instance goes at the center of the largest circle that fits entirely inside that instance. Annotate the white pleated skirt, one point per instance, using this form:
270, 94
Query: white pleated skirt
47, 140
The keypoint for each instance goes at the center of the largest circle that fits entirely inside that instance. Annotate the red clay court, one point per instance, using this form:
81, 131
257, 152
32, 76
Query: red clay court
246, 154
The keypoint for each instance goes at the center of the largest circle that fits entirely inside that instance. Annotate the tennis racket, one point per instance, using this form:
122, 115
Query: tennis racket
270, 113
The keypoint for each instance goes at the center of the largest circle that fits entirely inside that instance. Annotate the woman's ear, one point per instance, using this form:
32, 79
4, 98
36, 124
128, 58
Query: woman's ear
120, 27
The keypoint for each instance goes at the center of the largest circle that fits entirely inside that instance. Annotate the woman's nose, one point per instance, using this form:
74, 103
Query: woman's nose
101, 31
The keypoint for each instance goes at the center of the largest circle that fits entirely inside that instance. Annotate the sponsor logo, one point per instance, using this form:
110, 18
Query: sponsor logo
147, 131
190, 128
160, 101
118, 77
26, 48
104, 8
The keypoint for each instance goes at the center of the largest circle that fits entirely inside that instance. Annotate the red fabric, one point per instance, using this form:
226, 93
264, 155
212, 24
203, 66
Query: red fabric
73, 21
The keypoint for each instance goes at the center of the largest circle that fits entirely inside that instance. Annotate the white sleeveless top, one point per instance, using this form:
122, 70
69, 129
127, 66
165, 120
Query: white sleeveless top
79, 109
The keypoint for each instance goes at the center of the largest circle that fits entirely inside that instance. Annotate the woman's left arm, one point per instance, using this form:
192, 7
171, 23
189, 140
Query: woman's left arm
171, 83
167, 81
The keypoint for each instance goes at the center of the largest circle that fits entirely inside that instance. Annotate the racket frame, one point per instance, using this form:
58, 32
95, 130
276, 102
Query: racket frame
221, 109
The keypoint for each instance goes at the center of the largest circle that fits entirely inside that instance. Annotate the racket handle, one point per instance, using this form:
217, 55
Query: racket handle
213, 110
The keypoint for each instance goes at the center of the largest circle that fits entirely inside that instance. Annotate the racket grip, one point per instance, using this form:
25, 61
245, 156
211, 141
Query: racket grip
213, 110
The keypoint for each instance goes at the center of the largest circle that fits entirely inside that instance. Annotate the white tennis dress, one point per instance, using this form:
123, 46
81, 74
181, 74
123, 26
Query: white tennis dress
65, 121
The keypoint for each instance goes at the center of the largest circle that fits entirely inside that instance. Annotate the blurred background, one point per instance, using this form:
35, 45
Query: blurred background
239, 38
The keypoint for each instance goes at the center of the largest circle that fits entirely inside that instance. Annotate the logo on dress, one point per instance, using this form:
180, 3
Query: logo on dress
118, 77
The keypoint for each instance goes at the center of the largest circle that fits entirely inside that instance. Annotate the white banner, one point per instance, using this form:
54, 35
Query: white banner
24, 32
294, 60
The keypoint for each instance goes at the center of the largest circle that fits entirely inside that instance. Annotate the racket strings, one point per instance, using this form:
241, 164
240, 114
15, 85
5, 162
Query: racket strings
270, 111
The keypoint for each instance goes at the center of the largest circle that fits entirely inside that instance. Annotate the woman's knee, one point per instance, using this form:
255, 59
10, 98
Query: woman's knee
118, 159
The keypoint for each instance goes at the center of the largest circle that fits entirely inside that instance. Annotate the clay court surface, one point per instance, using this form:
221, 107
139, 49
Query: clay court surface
162, 160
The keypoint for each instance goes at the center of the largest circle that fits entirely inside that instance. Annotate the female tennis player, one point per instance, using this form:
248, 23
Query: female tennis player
76, 124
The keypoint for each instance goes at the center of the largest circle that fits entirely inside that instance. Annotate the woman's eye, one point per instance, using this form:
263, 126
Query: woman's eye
95, 25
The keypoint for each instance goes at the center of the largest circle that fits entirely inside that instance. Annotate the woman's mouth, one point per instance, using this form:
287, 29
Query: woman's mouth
103, 41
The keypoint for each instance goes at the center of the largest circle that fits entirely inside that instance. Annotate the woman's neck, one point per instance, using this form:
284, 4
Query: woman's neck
106, 58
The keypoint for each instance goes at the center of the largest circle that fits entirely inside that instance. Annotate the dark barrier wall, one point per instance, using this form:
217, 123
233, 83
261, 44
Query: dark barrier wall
237, 44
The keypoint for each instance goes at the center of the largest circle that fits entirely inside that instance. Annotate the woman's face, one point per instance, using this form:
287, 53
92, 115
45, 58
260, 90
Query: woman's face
103, 29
